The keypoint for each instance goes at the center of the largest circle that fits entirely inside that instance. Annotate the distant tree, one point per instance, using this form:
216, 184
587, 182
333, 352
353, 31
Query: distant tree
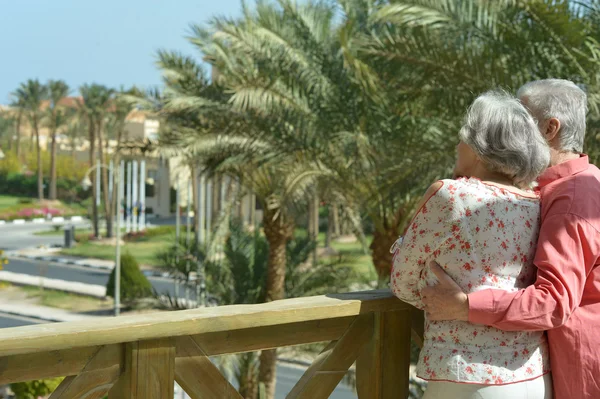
7, 125
31, 95
93, 106
75, 130
17, 104
57, 116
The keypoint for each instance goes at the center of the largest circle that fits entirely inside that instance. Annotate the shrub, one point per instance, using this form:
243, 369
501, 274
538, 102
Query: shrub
135, 236
20, 179
66, 167
134, 285
10, 163
35, 389
160, 231
83, 238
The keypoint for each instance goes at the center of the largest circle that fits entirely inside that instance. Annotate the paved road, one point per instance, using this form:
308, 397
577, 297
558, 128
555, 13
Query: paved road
79, 273
286, 376
8, 321
18, 236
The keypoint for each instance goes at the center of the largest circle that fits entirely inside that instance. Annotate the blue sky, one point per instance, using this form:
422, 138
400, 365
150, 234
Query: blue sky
112, 42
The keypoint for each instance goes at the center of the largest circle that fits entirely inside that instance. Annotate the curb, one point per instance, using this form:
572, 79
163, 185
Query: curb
82, 263
74, 287
37, 317
58, 219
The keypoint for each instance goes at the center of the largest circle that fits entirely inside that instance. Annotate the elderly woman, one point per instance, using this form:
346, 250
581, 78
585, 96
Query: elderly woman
486, 223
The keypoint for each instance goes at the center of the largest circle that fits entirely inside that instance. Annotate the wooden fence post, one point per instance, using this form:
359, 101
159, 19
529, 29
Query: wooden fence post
149, 371
382, 369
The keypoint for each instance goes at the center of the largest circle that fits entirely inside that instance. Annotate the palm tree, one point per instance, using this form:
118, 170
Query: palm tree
443, 53
377, 98
7, 123
17, 105
473, 45
199, 120
94, 104
115, 129
31, 95
241, 279
74, 130
291, 62
57, 117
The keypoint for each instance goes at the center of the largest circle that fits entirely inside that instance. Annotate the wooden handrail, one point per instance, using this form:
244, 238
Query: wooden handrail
106, 331
116, 355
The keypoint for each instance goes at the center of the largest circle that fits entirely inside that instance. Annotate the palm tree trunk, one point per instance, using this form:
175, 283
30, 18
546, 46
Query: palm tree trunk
40, 174
252, 201
267, 373
380, 252
329, 232
249, 389
240, 201
92, 138
335, 218
315, 216
216, 203
195, 201
278, 232
52, 194
107, 201
248, 378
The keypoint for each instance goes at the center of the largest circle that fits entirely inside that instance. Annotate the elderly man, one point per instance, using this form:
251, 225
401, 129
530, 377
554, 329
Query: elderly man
565, 299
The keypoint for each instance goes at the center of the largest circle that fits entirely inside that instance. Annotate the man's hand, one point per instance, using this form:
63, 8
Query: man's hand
446, 300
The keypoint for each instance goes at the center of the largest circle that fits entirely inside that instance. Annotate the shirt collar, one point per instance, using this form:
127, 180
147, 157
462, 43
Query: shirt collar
564, 169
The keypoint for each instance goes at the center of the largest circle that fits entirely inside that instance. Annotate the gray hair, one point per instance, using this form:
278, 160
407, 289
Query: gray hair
505, 137
560, 99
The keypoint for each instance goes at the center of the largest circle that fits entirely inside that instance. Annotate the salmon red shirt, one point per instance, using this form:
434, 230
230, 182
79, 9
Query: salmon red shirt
565, 299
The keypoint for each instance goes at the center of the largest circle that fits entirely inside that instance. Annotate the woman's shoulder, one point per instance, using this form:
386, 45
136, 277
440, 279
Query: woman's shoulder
462, 191
434, 188
440, 191
451, 188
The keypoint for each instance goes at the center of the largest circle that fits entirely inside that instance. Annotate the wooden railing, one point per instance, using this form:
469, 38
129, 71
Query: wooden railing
140, 356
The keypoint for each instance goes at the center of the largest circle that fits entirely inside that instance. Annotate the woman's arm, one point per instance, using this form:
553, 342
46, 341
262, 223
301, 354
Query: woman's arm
423, 238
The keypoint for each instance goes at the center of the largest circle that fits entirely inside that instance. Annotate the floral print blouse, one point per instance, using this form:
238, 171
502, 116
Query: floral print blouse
484, 237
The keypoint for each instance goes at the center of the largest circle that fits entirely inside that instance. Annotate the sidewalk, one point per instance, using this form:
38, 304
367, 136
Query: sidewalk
43, 312
74, 287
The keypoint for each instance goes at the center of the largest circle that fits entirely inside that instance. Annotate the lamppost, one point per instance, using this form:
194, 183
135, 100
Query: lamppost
86, 183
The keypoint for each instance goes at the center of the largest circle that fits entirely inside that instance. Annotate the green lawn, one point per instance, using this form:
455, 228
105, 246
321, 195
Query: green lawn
59, 231
7, 201
64, 300
353, 252
144, 250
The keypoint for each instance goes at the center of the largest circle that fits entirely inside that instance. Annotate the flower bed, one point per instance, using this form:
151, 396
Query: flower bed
29, 211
